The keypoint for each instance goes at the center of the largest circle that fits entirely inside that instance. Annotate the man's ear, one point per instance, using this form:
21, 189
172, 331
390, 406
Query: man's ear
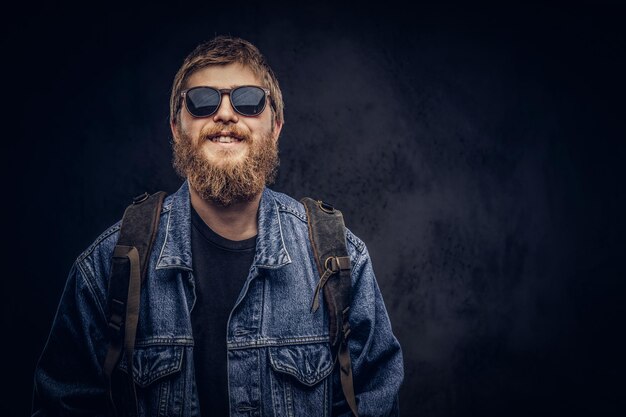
174, 128
278, 126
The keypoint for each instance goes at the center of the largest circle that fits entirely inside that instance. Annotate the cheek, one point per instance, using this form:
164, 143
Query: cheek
263, 124
192, 129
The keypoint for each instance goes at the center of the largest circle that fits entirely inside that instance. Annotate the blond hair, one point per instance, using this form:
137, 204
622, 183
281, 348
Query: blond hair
223, 50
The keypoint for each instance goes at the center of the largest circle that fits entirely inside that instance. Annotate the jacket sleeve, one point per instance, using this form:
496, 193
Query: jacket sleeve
68, 376
376, 356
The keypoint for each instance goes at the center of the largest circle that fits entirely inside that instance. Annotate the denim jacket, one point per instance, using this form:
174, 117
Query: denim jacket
279, 358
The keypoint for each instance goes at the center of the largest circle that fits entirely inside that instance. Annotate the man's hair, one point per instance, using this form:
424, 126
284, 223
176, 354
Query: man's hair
223, 50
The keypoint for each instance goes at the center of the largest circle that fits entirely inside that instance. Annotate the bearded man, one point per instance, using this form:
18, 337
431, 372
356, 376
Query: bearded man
225, 325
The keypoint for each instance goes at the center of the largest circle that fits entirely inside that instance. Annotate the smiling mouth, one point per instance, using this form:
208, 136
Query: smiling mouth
225, 139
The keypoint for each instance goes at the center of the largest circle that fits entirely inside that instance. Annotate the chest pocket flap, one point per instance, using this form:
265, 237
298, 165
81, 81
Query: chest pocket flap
308, 363
151, 363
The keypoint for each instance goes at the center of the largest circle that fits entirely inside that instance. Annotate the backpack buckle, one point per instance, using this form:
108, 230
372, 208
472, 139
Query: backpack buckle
116, 320
328, 208
141, 198
337, 263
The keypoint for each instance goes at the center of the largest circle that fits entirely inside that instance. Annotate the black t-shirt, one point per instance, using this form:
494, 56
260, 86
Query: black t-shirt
220, 267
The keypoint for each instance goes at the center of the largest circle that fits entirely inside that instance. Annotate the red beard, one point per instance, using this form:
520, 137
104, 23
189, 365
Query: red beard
228, 183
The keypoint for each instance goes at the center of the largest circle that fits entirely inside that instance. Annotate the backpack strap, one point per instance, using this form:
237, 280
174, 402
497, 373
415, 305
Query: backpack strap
327, 233
128, 270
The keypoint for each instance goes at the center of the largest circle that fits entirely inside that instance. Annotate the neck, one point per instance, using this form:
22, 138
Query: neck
236, 222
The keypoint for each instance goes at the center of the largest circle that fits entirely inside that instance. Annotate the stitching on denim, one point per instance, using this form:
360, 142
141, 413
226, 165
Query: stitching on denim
87, 278
269, 266
262, 262
287, 203
278, 342
174, 266
167, 232
285, 209
260, 381
357, 267
310, 379
296, 372
153, 376
275, 392
326, 402
280, 228
183, 384
164, 394
288, 399
263, 283
358, 243
104, 235
175, 365
165, 341
168, 203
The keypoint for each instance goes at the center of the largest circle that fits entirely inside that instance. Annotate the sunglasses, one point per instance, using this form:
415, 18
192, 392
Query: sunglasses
247, 100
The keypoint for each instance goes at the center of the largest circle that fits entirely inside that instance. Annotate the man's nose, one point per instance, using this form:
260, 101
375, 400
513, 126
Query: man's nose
225, 113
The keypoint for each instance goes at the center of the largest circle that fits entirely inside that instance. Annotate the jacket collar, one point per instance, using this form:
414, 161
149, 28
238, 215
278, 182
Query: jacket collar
270, 244
176, 250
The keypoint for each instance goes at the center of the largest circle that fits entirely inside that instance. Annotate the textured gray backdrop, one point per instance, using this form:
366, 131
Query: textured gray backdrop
477, 151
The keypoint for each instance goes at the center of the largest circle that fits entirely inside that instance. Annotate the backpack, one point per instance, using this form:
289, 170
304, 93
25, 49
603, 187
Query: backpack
128, 271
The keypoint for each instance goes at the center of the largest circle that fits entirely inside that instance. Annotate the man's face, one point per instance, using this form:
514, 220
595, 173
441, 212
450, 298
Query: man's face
226, 171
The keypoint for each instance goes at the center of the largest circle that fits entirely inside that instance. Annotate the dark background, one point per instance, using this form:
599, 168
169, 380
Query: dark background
478, 151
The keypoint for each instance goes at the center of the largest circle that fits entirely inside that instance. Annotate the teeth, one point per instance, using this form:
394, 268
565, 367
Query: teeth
225, 139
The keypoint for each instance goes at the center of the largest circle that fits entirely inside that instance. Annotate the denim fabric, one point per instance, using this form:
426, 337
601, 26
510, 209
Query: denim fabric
279, 357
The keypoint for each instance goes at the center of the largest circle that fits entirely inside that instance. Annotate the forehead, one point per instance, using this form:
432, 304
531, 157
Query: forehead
223, 76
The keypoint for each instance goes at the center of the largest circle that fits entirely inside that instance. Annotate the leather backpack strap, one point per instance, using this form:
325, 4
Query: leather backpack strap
327, 233
128, 270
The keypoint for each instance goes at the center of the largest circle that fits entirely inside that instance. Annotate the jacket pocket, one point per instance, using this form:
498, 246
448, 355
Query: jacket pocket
300, 379
154, 362
158, 378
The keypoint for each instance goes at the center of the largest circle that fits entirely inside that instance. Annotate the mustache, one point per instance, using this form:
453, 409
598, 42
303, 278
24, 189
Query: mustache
222, 130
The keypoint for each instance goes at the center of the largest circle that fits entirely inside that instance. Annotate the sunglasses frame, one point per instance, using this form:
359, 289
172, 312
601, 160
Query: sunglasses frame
228, 92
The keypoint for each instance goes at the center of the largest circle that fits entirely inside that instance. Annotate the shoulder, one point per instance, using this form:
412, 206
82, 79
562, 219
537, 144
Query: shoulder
94, 263
104, 244
106, 239
290, 207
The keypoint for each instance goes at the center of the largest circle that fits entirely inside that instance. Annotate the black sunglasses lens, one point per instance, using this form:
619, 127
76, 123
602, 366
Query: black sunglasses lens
202, 101
249, 101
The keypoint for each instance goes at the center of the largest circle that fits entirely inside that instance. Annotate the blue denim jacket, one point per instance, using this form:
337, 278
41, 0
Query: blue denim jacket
279, 357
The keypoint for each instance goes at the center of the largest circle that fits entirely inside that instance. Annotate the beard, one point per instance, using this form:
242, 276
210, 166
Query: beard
227, 180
